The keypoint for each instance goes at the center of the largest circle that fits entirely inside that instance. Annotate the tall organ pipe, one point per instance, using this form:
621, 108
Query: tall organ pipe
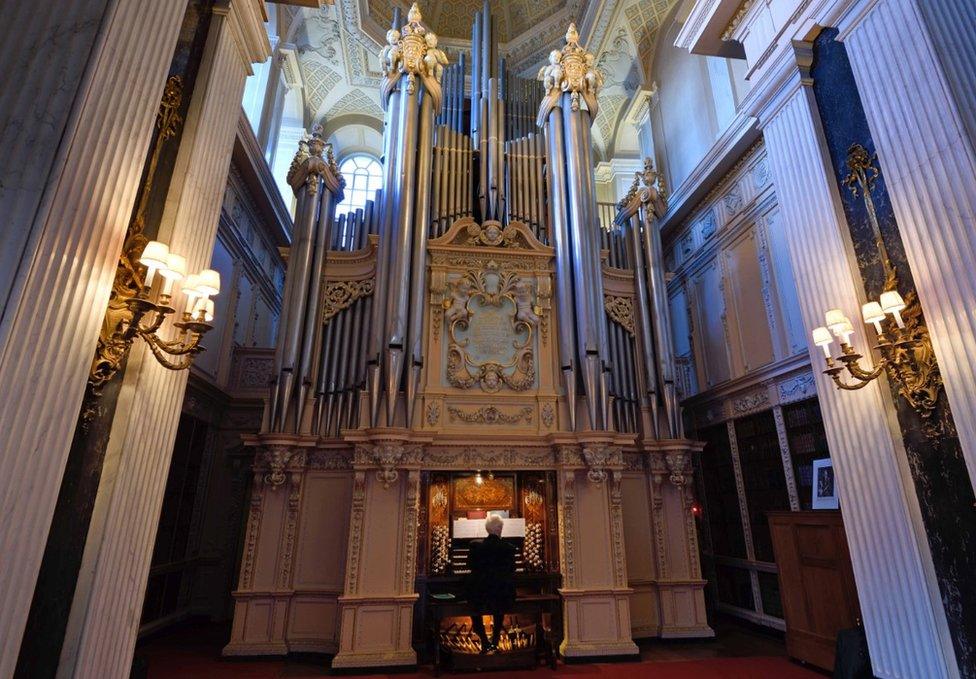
564, 273
647, 385
312, 334
391, 190
400, 239
418, 275
658, 293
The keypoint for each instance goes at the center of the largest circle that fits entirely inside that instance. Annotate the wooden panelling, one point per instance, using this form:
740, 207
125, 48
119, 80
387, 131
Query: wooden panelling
816, 582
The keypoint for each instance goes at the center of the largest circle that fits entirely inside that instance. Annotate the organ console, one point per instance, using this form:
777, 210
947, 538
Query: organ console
455, 507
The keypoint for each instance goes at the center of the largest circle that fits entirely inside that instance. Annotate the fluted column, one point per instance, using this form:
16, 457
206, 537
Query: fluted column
920, 133
902, 612
104, 618
67, 199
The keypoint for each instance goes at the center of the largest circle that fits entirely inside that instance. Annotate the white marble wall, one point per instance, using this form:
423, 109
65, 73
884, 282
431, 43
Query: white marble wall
82, 198
104, 619
929, 160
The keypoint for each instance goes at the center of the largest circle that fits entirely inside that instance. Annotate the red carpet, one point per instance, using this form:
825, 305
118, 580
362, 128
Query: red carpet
174, 665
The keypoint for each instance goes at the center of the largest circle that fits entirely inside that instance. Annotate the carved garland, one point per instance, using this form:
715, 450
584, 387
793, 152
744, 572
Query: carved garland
490, 415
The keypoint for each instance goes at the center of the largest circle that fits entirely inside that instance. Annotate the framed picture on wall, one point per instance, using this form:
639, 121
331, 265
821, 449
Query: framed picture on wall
824, 487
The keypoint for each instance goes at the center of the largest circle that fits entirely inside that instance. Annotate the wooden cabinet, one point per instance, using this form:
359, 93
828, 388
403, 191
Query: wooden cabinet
816, 582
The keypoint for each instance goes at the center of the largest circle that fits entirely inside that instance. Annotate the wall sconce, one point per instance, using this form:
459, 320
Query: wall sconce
896, 345
903, 340
139, 308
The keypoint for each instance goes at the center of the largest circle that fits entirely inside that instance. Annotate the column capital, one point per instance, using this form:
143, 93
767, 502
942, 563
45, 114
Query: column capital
247, 22
789, 72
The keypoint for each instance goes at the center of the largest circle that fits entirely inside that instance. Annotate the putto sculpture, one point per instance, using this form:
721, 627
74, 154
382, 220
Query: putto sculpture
571, 69
412, 50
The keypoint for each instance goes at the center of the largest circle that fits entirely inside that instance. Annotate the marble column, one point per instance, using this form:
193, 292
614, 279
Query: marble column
900, 604
76, 117
916, 86
104, 618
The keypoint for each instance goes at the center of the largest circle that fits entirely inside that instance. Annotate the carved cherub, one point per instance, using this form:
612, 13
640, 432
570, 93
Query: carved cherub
551, 74
523, 303
391, 56
456, 307
434, 59
594, 78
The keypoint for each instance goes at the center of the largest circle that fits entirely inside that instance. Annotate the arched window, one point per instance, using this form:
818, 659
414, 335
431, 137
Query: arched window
364, 175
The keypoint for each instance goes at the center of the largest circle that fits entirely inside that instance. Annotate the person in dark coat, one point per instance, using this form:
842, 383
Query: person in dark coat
491, 584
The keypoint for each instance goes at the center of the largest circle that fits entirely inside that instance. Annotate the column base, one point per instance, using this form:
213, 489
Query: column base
597, 625
375, 632
682, 606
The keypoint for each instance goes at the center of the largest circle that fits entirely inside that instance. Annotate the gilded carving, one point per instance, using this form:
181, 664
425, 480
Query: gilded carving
413, 51
339, 295
433, 414
548, 414
571, 69
491, 415
621, 311
481, 292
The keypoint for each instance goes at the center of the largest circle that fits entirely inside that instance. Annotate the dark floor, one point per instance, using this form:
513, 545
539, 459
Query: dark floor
192, 650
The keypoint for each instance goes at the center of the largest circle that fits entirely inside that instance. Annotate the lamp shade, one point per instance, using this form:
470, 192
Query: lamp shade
891, 302
835, 319
155, 255
822, 337
190, 286
872, 312
209, 282
175, 268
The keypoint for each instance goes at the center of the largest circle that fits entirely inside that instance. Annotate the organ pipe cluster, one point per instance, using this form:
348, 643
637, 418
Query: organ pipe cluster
458, 144
318, 187
571, 84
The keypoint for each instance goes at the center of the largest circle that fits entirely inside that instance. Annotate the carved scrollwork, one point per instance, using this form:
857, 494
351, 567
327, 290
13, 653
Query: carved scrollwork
599, 460
621, 311
339, 295
487, 293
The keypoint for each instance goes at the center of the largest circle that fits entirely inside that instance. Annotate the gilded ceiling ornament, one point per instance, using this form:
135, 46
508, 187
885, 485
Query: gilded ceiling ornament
573, 70
413, 51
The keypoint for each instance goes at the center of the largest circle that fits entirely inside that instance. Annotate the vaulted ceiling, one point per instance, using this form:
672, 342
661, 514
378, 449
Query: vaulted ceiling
337, 48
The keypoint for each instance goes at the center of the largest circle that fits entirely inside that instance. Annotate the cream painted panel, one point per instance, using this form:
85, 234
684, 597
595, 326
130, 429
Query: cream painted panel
593, 534
269, 540
786, 297
638, 539
323, 530
382, 526
711, 350
747, 319
313, 618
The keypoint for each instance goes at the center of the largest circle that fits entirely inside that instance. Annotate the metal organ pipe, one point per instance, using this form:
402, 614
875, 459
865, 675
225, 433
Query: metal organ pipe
418, 275
564, 274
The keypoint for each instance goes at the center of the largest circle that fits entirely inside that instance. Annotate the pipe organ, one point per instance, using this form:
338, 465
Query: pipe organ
476, 315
